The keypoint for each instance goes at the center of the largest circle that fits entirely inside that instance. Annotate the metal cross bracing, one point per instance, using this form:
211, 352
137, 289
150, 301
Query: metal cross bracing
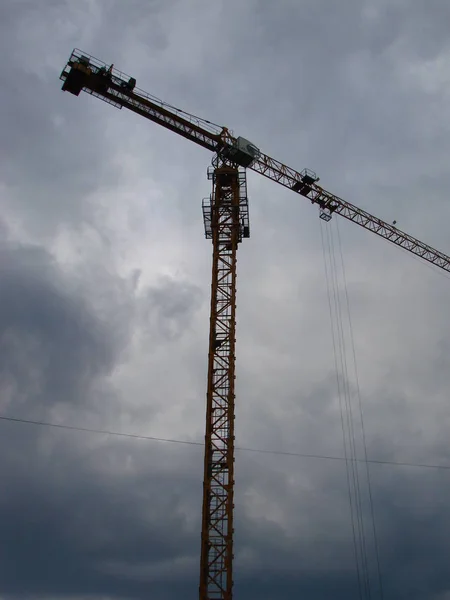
305, 183
226, 224
87, 73
84, 72
225, 215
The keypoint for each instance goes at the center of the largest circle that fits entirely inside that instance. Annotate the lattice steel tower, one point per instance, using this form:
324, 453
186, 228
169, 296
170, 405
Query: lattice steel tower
226, 224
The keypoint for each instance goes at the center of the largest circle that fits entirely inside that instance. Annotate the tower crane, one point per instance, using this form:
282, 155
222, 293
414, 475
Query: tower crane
226, 221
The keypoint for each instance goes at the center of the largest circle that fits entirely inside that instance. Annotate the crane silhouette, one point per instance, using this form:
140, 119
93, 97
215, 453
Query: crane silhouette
226, 221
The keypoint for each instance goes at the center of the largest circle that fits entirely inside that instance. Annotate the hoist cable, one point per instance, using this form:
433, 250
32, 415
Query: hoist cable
344, 438
350, 418
363, 429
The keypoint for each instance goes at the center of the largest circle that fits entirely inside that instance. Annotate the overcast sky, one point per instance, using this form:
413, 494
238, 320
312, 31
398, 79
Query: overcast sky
104, 296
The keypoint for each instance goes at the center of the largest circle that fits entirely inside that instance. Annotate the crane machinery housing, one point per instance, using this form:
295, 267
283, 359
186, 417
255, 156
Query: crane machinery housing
226, 221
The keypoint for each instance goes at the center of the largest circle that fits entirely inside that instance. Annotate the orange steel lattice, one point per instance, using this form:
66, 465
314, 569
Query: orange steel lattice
224, 222
114, 87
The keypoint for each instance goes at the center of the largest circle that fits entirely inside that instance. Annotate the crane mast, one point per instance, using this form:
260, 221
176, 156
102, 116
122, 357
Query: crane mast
226, 222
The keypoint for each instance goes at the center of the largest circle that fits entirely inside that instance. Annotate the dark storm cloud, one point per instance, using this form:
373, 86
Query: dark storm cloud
72, 515
303, 539
315, 509
326, 83
53, 346
98, 527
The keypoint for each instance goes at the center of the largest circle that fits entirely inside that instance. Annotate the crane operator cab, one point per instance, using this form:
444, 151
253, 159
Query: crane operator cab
242, 152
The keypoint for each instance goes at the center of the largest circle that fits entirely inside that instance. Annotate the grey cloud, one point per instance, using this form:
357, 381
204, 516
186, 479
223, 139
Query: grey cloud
322, 522
53, 346
112, 533
342, 89
171, 305
39, 142
83, 521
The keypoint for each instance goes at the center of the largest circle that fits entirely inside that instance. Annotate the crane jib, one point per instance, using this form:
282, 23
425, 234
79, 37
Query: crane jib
84, 72
305, 184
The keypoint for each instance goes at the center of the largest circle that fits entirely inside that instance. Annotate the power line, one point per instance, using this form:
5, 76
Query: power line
240, 448
100, 431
